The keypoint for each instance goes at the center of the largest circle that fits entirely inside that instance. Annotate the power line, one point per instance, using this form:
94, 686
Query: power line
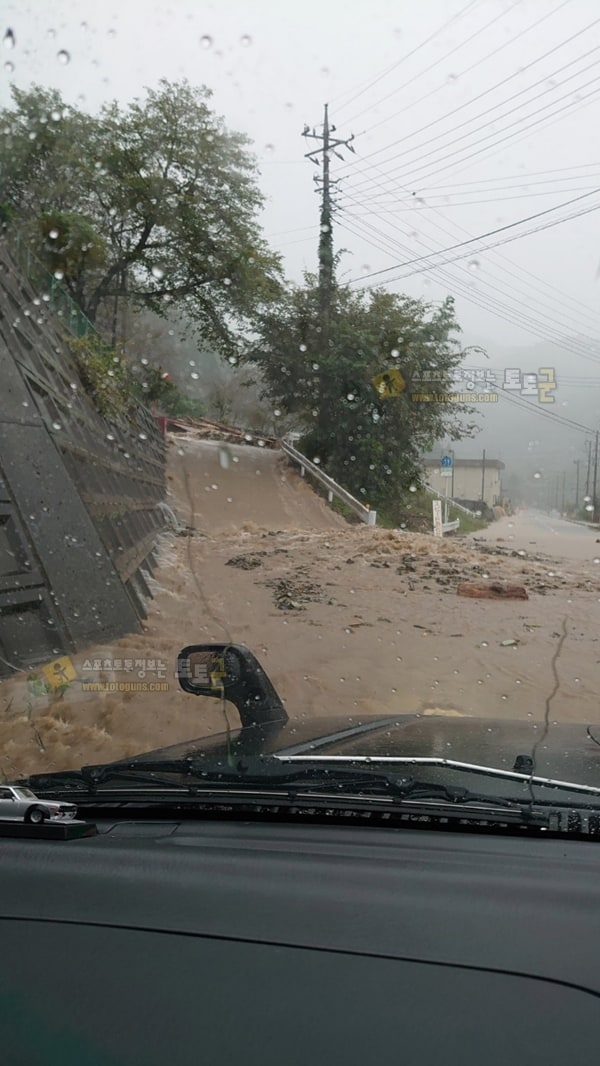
489, 233
441, 149
506, 313
506, 240
411, 206
486, 92
521, 177
534, 408
500, 310
465, 288
470, 188
577, 304
514, 267
409, 55
436, 63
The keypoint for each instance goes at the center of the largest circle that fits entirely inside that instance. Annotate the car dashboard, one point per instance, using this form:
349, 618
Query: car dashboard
217, 941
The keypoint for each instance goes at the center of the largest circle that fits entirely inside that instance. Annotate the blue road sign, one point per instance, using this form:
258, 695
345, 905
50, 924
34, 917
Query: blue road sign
446, 461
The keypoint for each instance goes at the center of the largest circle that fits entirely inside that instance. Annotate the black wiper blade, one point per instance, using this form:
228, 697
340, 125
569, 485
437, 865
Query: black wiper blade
263, 776
392, 762
87, 780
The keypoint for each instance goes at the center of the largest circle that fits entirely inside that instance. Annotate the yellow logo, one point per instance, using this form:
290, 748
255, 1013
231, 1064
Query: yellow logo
59, 673
390, 383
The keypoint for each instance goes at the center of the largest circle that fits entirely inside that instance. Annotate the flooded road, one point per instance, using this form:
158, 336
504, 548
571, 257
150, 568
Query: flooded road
536, 531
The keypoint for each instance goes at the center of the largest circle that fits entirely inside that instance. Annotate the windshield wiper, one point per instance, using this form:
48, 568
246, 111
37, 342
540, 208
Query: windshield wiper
437, 761
268, 777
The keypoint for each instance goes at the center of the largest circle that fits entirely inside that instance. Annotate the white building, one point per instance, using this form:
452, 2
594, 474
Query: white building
470, 479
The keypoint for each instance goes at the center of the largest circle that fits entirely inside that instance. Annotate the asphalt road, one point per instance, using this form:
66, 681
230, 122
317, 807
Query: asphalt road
550, 534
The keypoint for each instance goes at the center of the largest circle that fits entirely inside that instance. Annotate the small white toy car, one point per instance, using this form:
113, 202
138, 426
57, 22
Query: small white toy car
18, 804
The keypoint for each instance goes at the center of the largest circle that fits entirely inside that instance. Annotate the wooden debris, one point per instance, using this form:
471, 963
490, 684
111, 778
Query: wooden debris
491, 590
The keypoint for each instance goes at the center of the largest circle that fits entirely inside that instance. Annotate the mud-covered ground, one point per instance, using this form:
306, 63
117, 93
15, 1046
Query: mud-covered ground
347, 620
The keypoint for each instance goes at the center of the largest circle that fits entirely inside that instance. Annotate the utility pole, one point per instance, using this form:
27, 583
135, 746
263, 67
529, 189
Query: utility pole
589, 463
564, 487
328, 146
483, 478
577, 464
594, 497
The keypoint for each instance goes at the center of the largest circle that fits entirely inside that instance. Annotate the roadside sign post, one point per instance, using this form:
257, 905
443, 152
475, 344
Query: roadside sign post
446, 466
437, 519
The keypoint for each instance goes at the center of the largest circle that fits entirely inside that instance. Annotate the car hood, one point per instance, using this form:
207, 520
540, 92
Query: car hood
564, 750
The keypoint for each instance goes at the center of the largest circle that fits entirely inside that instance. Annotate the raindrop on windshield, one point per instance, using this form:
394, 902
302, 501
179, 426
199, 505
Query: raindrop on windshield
63, 57
206, 41
474, 265
245, 40
9, 39
157, 272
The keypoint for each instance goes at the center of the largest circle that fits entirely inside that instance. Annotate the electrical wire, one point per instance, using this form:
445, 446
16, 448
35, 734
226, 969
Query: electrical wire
440, 152
526, 321
482, 95
437, 62
409, 55
540, 330
514, 267
411, 206
491, 233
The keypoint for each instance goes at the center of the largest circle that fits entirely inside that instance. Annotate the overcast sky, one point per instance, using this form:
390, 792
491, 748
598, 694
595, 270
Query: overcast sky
443, 151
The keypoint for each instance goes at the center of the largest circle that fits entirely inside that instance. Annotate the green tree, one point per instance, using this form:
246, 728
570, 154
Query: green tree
371, 445
155, 203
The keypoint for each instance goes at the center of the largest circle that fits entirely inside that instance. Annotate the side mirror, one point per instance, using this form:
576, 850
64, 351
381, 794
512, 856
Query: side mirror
231, 672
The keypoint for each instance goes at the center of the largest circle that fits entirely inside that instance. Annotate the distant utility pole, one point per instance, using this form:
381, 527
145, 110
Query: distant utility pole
328, 146
594, 497
577, 464
589, 463
564, 489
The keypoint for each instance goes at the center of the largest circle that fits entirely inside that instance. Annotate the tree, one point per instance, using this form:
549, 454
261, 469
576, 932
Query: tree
371, 445
155, 203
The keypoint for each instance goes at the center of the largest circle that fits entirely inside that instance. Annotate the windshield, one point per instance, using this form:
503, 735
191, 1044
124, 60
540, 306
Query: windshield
300, 328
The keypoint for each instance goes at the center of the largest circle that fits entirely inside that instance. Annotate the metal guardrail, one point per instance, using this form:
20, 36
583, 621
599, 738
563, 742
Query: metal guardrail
448, 499
333, 489
450, 527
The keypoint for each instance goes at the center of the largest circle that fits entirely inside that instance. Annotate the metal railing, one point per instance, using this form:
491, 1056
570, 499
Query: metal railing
450, 527
333, 489
448, 499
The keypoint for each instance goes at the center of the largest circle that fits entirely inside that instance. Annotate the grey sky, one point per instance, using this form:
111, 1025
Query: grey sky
271, 67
